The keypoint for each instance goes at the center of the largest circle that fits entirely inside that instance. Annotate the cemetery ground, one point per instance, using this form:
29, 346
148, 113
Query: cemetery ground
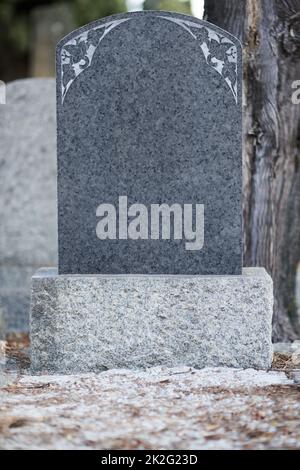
160, 408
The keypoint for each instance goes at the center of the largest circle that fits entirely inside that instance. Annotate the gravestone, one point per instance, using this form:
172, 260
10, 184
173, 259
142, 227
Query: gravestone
149, 204
28, 212
149, 147
2, 93
2, 322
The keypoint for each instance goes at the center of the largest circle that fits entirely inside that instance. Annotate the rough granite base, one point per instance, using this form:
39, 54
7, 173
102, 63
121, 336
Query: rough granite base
85, 323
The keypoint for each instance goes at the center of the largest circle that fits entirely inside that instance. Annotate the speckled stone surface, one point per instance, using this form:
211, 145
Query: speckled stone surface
2, 321
28, 207
89, 323
149, 106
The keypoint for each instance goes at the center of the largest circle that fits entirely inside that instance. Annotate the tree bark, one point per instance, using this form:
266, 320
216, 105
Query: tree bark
270, 33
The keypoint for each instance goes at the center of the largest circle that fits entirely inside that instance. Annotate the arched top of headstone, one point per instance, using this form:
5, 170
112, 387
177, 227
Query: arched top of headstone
221, 50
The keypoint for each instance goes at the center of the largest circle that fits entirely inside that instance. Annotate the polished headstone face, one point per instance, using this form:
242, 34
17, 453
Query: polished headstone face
149, 147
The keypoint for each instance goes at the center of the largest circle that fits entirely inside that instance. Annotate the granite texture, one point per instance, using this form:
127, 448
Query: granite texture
2, 321
83, 323
149, 106
28, 208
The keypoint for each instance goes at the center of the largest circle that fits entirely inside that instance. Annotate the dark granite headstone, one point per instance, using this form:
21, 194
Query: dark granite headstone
149, 147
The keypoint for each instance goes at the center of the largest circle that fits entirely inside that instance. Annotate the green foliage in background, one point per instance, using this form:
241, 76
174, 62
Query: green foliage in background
86, 11
182, 6
16, 25
16, 28
13, 24
15, 16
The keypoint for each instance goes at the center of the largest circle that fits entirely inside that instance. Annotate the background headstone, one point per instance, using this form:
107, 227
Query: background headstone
149, 107
2, 322
2, 92
28, 234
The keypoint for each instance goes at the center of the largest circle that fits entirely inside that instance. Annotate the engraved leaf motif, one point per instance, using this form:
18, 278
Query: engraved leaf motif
229, 71
68, 74
77, 52
219, 51
201, 34
94, 36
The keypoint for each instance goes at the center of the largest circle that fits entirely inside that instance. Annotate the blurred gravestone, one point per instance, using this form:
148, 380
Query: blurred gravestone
49, 25
2, 322
27, 192
2, 92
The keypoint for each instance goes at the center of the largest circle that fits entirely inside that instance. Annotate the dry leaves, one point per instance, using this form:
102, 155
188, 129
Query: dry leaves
160, 408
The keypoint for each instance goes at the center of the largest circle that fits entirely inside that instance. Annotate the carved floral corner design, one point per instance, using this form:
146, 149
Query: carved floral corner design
78, 53
219, 51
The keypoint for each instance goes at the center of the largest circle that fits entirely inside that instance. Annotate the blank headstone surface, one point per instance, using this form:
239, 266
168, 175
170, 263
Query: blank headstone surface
149, 107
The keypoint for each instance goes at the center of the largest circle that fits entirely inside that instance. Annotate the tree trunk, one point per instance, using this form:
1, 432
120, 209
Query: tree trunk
270, 33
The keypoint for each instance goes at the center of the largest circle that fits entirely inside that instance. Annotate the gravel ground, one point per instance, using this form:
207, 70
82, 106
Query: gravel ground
159, 408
